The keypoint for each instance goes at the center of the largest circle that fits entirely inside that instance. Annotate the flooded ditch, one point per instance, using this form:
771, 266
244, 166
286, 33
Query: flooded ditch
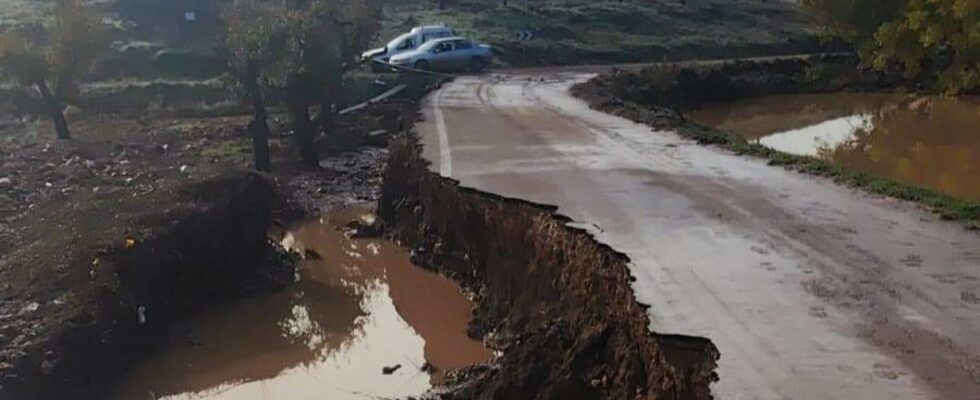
926, 142
360, 322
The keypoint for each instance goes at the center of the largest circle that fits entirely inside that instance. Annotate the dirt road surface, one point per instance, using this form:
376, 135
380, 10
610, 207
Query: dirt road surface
810, 290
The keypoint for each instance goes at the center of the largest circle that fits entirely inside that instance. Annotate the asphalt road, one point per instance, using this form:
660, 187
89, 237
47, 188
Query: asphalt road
810, 290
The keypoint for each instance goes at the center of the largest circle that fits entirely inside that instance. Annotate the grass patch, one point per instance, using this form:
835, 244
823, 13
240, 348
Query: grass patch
580, 31
223, 150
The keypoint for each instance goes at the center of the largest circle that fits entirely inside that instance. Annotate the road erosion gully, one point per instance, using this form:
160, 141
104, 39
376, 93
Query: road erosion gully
809, 290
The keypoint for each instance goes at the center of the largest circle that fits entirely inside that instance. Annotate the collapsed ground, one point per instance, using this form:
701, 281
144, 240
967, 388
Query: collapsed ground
141, 221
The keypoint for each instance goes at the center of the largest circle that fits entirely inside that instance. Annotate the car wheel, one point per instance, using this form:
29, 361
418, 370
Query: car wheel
477, 64
422, 65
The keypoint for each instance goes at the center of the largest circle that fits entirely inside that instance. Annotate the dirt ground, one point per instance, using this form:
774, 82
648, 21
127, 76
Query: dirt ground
808, 288
124, 184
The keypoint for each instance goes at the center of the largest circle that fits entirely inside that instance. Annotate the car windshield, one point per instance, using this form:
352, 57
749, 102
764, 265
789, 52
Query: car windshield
399, 41
430, 45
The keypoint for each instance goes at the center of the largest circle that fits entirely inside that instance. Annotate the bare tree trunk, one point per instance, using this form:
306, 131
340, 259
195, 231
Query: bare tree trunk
55, 109
259, 127
299, 107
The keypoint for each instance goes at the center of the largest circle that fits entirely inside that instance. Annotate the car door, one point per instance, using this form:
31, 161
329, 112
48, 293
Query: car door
462, 51
442, 56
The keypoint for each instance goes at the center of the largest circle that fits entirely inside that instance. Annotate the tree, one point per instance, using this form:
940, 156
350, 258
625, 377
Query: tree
334, 32
254, 45
303, 47
939, 39
936, 41
75, 37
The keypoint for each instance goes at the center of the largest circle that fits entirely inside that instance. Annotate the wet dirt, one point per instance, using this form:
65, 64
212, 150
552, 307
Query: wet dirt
714, 237
358, 310
927, 142
557, 302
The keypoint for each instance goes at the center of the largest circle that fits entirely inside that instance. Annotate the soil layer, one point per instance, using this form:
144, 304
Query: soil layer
556, 302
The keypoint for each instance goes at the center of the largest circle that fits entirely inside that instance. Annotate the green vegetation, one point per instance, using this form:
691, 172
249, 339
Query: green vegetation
931, 41
583, 31
74, 39
302, 48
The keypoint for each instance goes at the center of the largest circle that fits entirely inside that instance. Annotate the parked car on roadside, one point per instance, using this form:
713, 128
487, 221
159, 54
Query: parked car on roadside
448, 54
405, 43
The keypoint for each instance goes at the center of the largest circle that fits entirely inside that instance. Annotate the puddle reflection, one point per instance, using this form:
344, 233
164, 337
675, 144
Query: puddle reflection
928, 142
359, 306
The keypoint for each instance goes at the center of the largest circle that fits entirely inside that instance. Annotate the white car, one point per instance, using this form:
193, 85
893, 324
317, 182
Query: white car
405, 43
448, 54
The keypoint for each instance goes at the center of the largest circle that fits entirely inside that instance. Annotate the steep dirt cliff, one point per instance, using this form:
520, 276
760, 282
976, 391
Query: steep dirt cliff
556, 302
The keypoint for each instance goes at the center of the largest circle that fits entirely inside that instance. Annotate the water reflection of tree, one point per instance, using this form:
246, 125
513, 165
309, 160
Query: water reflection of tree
254, 340
932, 143
753, 119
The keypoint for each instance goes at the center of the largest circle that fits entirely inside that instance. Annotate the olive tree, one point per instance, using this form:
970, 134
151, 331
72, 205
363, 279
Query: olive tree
936, 41
332, 34
52, 67
254, 47
303, 48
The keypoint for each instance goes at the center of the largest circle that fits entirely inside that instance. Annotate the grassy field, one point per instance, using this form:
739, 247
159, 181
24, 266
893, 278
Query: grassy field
580, 31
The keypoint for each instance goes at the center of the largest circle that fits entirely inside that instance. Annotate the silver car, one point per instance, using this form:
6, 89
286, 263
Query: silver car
449, 54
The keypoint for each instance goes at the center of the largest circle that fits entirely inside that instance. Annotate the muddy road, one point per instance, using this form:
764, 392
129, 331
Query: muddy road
809, 290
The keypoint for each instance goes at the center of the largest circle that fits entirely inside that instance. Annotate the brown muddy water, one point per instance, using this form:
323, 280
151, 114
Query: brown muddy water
927, 142
359, 306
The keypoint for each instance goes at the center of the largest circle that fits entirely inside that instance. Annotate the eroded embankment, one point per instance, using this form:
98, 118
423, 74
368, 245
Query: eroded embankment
557, 302
212, 249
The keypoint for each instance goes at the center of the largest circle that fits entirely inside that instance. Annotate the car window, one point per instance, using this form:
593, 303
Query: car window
407, 44
399, 41
443, 47
463, 45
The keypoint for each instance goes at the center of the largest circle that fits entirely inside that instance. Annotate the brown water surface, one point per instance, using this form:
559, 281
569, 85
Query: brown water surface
927, 142
359, 306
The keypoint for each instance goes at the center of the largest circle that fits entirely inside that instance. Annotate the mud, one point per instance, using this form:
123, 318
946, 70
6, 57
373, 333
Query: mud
557, 303
140, 287
358, 308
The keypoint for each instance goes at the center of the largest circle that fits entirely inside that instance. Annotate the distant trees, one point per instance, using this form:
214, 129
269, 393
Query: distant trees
926, 40
75, 38
302, 47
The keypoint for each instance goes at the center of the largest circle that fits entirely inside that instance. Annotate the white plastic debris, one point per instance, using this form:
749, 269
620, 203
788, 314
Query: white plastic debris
142, 314
29, 308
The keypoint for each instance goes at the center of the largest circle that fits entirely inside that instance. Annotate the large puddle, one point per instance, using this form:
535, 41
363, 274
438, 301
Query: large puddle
927, 142
362, 322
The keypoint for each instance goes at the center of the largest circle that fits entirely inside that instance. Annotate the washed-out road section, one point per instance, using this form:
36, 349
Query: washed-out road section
810, 290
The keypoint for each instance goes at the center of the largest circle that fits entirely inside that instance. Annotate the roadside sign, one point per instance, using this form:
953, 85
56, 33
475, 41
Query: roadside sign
523, 35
